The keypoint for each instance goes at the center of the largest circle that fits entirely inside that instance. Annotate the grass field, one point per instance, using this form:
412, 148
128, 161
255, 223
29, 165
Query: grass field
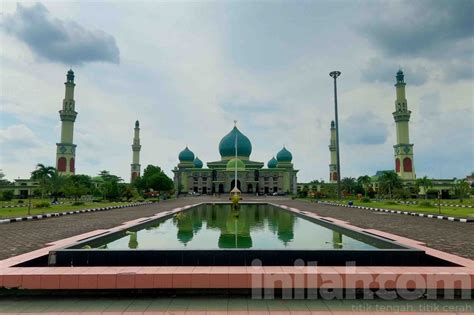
448, 211
23, 211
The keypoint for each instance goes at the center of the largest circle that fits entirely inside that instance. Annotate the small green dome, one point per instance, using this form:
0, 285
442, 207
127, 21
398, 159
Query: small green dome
272, 163
186, 155
284, 155
197, 163
227, 144
232, 163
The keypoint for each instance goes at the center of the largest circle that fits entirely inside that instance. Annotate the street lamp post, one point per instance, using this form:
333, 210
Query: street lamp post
334, 75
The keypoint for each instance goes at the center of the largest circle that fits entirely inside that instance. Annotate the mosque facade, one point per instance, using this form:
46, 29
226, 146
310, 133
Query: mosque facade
279, 175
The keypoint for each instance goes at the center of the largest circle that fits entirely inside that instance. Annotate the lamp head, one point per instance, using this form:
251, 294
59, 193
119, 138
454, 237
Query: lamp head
335, 74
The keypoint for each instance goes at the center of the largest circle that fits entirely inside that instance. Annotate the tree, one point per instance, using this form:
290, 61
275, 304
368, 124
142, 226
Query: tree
462, 189
154, 178
110, 187
388, 182
426, 183
3, 181
56, 183
76, 186
365, 182
43, 174
349, 184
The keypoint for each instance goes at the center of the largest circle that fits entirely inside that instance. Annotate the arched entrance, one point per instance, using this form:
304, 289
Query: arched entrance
250, 188
232, 184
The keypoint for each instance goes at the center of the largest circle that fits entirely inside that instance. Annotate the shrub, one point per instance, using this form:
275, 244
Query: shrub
390, 202
365, 199
20, 201
77, 203
425, 204
6, 195
43, 204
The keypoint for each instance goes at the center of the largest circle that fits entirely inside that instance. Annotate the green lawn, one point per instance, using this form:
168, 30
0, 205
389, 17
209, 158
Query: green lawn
448, 211
23, 211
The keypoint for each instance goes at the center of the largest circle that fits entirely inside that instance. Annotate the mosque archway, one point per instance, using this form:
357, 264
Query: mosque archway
232, 185
250, 188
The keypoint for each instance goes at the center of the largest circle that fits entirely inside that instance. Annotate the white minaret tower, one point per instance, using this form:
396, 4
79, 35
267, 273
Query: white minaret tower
332, 150
66, 150
404, 165
136, 147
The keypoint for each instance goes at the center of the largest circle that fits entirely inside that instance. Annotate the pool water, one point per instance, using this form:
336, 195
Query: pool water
252, 226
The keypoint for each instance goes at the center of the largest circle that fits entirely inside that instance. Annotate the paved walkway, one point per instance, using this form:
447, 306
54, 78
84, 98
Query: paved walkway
452, 237
224, 305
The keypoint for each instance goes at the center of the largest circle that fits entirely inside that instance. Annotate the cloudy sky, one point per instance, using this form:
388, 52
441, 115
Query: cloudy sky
186, 70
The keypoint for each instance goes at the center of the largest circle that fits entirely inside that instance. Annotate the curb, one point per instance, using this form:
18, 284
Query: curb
59, 214
415, 214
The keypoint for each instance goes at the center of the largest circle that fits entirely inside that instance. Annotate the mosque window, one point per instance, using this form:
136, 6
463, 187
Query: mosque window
407, 167
204, 179
62, 164
397, 165
71, 165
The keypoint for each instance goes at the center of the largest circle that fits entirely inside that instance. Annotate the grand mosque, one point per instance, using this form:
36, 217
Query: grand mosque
235, 164
235, 168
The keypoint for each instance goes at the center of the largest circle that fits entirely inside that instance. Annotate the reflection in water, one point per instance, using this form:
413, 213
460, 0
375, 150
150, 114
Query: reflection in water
219, 226
133, 241
235, 225
336, 239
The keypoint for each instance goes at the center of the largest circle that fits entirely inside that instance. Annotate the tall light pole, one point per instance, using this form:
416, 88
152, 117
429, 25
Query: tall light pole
334, 75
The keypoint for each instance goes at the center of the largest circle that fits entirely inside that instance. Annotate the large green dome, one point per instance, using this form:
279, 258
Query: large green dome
272, 163
284, 155
186, 155
233, 163
227, 144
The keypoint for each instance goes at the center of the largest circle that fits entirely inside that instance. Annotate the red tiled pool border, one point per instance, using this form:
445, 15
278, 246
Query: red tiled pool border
235, 277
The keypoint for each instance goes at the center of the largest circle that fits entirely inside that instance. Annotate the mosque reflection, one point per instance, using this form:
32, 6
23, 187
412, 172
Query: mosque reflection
235, 225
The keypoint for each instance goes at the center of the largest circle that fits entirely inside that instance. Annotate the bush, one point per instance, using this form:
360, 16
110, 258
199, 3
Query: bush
425, 204
78, 203
390, 202
365, 199
43, 204
6, 195
20, 201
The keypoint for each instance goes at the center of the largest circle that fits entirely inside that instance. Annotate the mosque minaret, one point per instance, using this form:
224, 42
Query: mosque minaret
404, 166
332, 150
136, 147
66, 149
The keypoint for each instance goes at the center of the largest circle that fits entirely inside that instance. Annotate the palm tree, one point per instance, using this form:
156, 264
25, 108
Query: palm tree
364, 181
426, 183
43, 174
56, 183
388, 181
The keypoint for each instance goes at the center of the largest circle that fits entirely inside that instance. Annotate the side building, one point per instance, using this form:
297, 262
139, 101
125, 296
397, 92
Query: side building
219, 177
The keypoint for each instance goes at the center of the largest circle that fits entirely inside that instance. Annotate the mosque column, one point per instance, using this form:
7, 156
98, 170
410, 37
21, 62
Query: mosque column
403, 154
66, 149
136, 147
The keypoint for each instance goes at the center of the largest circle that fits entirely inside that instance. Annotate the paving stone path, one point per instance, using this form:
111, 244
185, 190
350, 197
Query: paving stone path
452, 237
